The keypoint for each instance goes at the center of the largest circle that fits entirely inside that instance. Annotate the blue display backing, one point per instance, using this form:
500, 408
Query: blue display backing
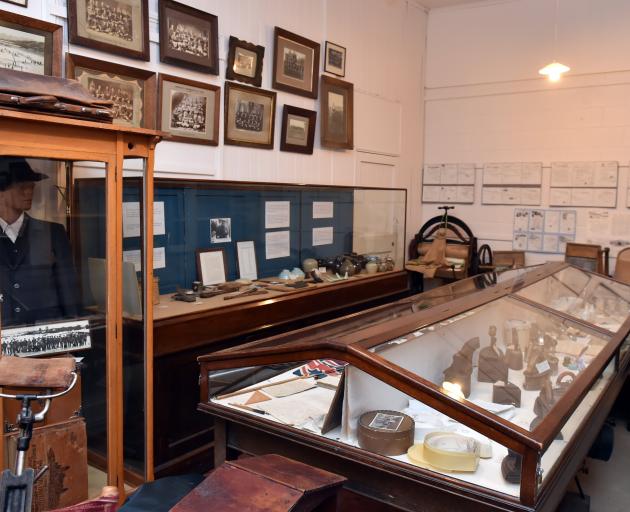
189, 208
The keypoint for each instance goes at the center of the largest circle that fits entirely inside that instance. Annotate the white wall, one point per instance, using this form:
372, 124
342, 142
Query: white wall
485, 102
385, 42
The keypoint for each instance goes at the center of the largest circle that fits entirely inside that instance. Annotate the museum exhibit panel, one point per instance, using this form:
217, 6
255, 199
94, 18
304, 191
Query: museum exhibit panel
63, 297
484, 396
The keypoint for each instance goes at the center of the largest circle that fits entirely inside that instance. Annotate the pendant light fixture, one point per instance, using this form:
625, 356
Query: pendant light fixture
554, 70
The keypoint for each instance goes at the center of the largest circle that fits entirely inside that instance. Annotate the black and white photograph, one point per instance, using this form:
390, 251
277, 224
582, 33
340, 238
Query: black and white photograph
22, 51
245, 62
335, 59
337, 128
336, 123
116, 26
384, 421
121, 94
189, 110
46, 339
298, 130
30, 45
295, 64
188, 37
220, 230
249, 116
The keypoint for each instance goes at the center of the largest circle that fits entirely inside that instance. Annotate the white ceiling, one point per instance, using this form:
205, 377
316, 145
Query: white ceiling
432, 4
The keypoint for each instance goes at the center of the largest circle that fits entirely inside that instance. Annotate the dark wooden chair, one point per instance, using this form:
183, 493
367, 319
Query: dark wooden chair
589, 257
622, 267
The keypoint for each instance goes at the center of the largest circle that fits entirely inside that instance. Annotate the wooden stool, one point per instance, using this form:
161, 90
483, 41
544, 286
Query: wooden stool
269, 483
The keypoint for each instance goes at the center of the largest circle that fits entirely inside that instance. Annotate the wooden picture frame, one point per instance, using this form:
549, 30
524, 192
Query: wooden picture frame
114, 79
189, 38
295, 64
337, 125
196, 123
335, 59
17, 2
46, 43
298, 130
246, 260
245, 62
211, 266
249, 116
114, 26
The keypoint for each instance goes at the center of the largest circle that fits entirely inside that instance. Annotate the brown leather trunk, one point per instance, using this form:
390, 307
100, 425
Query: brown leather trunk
63, 447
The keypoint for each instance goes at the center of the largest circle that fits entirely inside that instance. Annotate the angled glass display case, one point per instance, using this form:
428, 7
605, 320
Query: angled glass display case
483, 395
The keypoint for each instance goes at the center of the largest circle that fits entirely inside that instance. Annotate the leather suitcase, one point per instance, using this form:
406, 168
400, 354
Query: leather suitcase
63, 447
51, 95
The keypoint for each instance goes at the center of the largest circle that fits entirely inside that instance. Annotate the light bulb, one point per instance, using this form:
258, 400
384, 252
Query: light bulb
554, 71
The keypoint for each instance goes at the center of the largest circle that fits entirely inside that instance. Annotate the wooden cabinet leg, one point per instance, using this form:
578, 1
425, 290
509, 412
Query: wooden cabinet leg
220, 441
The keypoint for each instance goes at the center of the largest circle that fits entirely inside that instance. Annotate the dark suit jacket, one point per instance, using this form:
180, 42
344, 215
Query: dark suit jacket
37, 276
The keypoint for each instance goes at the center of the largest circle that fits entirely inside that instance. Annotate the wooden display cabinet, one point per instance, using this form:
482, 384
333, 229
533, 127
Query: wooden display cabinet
398, 357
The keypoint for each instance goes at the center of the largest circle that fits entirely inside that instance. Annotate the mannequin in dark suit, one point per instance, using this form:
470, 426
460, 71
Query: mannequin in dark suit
37, 276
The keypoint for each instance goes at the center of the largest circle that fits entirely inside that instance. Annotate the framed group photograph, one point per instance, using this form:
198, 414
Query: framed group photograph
211, 266
245, 62
30, 45
189, 110
295, 64
114, 26
189, 38
335, 59
298, 130
249, 116
131, 90
337, 125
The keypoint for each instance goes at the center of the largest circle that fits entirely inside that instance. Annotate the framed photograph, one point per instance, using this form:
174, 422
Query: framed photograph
211, 266
298, 130
245, 62
189, 38
249, 116
335, 59
21, 3
114, 26
295, 64
189, 110
246, 260
220, 230
30, 45
337, 113
46, 339
132, 90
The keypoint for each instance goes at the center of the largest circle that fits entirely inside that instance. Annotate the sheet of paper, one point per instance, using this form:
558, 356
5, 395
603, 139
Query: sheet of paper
552, 221
492, 174
449, 174
521, 220
598, 223
531, 196
520, 242
448, 194
277, 244
550, 243
159, 222
560, 174
466, 174
531, 173
432, 174
560, 197
605, 197
212, 266
562, 243
536, 220
323, 209
277, 214
511, 195
606, 174
431, 194
511, 173
583, 174
491, 195
466, 194
323, 236
567, 223
131, 219
534, 242
246, 254
620, 223
135, 256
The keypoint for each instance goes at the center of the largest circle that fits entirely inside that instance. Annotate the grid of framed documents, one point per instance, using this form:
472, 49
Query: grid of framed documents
448, 183
548, 231
590, 184
512, 183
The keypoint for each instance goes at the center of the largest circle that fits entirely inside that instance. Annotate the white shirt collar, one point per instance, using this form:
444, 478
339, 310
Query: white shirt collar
12, 230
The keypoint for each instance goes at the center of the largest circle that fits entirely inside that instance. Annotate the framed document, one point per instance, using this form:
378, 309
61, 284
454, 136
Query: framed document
246, 259
211, 266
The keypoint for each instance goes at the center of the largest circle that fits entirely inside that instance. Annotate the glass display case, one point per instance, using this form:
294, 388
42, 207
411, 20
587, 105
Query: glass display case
490, 390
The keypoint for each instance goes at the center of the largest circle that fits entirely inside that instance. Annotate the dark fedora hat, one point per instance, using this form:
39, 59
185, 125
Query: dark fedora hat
15, 169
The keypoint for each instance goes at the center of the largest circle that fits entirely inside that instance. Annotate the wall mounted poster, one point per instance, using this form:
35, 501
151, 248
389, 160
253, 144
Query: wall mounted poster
546, 231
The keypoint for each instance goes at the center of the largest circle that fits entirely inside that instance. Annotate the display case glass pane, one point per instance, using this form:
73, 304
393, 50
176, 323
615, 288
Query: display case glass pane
503, 357
583, 295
